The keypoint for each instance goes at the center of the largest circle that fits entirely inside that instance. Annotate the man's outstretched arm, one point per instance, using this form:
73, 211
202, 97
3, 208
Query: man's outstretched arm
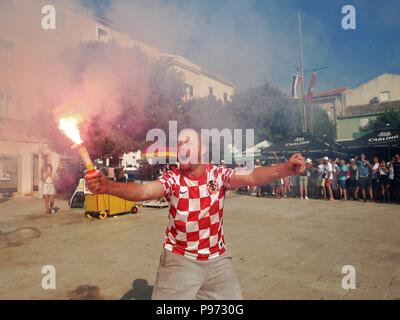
265, 175
99, 183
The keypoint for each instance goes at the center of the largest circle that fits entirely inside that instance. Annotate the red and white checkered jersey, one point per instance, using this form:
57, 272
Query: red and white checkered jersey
195, 212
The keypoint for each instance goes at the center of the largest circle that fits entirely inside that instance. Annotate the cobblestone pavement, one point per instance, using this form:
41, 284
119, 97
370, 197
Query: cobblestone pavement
283, 249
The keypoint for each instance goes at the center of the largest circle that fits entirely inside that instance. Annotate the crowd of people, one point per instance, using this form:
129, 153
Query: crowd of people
354, 179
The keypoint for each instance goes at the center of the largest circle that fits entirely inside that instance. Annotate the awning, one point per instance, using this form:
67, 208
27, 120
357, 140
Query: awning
385, 138
305, 144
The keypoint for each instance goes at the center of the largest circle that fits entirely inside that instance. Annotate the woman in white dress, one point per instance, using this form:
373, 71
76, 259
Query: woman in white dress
48, 189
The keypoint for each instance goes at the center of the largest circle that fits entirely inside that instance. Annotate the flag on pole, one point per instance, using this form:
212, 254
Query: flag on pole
311, 87
296, 94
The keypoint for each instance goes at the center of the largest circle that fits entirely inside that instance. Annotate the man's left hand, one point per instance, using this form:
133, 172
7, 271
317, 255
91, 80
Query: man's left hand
296, 164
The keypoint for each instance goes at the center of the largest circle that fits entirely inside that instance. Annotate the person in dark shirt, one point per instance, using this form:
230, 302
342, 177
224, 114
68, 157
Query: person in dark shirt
343, 175
396, 177
396, 166
384, 181
364, 179
353, 179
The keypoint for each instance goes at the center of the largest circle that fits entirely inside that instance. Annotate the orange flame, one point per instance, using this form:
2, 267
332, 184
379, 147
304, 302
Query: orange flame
70, 127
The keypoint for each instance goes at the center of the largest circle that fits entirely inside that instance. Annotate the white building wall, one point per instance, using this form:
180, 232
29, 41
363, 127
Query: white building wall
373, 88
200, 81
24, 152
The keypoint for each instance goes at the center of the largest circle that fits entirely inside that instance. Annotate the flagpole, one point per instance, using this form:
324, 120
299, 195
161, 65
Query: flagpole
303, 107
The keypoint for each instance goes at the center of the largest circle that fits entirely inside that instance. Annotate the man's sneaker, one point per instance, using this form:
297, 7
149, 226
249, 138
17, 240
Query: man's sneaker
307, 198
301, 198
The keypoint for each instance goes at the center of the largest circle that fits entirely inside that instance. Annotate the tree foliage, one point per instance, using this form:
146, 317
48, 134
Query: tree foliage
321, 126
273, 114
390, 120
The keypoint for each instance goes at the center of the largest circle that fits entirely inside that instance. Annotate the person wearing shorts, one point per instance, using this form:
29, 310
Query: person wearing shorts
48, 189
364, 168
321, 178
303, 180
293, 185
384, 181
286, 187
194, 261
278, 188
395, 166
328, 175
375, 183
353, 179
343, 174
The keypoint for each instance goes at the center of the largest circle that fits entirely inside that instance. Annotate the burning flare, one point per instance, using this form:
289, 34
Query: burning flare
70, 127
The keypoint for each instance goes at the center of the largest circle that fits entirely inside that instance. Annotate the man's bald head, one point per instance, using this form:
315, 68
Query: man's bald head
190, 148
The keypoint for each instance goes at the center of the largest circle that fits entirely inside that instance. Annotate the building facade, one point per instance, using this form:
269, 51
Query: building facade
22, 155
352, 108
332, 101
199, 82
22, 35
348, 125
383, 88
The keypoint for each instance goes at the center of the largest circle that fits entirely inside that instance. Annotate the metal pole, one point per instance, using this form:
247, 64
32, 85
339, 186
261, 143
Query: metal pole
303, 107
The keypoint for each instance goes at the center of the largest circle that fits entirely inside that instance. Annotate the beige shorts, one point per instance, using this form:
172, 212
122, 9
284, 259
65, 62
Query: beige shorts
48, 189
303, 181
320, 182
181, 278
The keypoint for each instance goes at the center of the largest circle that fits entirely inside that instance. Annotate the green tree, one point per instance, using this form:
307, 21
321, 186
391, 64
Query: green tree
273, 114
321, 126
389, 120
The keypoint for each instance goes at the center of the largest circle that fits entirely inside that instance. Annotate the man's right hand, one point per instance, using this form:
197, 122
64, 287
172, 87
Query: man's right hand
97, 182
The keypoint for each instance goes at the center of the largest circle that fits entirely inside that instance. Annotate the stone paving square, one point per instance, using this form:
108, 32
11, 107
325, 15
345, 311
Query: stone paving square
283, 249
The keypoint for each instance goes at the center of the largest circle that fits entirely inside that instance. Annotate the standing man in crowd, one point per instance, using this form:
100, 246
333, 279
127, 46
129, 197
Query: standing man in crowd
364, 168
321, 179
335, 178
396, 177
194, 261
328, 168
343, 175
375, 176
303, 180
384, 181
353, 178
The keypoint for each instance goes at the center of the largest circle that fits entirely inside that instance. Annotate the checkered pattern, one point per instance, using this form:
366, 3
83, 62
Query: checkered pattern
195, 212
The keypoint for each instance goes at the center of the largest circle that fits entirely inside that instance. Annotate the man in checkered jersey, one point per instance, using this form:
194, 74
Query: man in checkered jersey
194, 262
